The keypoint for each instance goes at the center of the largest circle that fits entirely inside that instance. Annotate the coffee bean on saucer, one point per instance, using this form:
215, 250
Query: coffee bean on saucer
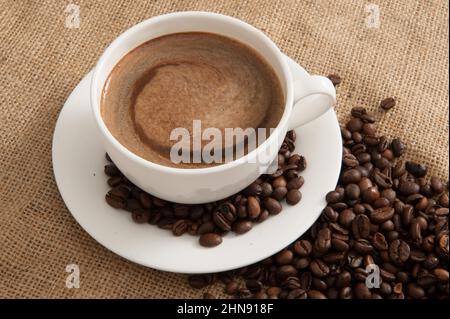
112, 170
114, 201
242, 226
210, 240
293, 196
273, 206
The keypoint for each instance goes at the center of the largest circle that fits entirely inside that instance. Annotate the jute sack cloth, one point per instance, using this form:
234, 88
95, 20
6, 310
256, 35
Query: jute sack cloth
42, 60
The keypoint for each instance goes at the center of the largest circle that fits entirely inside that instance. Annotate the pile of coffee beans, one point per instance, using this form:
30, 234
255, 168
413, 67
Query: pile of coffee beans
385, 220
212, 221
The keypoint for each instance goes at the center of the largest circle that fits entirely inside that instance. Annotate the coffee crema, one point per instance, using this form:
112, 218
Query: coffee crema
169, 82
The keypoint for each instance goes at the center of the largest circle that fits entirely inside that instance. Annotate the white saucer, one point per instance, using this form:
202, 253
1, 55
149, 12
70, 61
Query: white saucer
78, 161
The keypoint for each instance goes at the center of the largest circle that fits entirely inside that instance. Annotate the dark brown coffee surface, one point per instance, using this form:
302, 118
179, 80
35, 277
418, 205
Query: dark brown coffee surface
171, 81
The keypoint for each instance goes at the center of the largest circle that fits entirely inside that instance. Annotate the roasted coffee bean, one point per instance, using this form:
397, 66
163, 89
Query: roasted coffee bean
254, 189
346, 293
355, 125
369, 129
274, 291
133, 204
381, 202
409, 188
381, 215
291, 283
208, 295
333, 197
266, 189
286, 271
415, 231
352, 191
418, 170
206, 227
180, 227
407, 215
346, 217
436, 185
120, 191
196, 212
303, 248
323, 241
332, 258
361, 291
443, 244
361, 226
319, 268
242, 226
114, 201
291, 135
279, 193
244, 293
429, 262
382, 180
399, 251
339, 245
284, 257
346, 134
335, 79
279, 182
379, 241
358, 111
295, 183
441, 274
415, 291
145, 200
397, 147
351, 176
293, 196
253, 207
140, 216
210, 240
181, 211
302, 263
315, 294
302, 164
222, 221
370, 195
399, 169
115, 181
166, 223
111, 170
273, 206
362, 246
350, 160
253, 285
263, 216
200, 281
387, 103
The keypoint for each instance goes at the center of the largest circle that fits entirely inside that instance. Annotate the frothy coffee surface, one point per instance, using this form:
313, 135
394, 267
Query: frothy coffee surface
170, 81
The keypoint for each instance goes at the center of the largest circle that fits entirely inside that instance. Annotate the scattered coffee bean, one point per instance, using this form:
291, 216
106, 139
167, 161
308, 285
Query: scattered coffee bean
387, 103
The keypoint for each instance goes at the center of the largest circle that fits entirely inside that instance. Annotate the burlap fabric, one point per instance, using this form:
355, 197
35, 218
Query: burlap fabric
42, 60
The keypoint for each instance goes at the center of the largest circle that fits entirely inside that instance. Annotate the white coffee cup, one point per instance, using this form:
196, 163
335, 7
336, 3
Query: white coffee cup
200, 185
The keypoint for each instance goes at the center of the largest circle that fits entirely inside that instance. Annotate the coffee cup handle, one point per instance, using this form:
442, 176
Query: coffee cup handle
312, 98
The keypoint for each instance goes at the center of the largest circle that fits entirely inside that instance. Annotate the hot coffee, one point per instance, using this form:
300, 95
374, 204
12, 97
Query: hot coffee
172, 81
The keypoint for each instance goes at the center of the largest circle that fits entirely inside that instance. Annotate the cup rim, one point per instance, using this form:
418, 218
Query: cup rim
188, 171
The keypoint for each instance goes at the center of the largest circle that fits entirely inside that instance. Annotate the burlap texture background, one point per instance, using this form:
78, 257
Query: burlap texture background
41, 61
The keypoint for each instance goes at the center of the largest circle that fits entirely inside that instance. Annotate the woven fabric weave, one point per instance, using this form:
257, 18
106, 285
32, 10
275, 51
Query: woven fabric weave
42, 60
